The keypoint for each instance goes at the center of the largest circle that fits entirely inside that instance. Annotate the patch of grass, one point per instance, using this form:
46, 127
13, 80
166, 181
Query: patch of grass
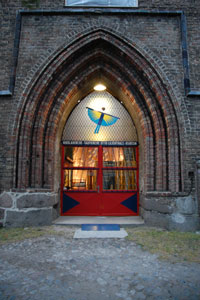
169, 245
10, 235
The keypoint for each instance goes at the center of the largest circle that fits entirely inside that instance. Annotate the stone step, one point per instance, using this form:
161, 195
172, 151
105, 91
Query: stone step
83, 234
79, 220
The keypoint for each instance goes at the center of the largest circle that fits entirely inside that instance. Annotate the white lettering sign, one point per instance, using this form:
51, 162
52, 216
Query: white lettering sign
96, 143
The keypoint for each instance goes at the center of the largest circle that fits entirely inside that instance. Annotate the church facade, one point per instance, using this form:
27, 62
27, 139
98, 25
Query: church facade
100, 105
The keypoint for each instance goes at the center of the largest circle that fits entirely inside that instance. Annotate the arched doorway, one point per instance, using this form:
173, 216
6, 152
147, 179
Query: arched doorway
128, 76
100, 163
133, 79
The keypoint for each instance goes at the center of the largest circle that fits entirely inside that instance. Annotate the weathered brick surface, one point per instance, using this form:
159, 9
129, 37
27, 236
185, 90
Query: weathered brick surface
141, 59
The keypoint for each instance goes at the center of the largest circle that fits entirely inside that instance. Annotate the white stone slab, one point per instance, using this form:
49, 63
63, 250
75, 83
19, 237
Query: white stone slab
82, 234
78, 220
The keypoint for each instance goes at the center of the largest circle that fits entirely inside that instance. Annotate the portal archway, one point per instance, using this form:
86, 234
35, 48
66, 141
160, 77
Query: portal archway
70, 76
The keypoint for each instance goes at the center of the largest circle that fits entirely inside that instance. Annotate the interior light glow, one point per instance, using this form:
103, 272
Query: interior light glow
99, 87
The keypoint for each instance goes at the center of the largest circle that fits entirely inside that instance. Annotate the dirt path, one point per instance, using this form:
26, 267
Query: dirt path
60, 267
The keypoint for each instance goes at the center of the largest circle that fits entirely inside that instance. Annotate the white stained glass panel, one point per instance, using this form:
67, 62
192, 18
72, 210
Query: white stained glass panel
80, 127
114, 3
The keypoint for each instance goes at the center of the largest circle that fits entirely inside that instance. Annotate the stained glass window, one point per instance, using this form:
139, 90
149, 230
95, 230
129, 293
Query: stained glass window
99, 117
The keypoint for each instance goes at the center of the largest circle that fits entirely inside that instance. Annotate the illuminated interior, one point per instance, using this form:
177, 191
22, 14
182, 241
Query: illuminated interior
80, 157
81, 168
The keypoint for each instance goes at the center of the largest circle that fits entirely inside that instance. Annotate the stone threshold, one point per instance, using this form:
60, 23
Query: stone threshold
79, 220
81, 234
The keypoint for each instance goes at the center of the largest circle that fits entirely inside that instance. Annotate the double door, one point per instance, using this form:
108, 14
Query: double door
99, 180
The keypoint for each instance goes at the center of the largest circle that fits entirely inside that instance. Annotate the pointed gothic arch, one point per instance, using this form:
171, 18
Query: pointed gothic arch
69, 76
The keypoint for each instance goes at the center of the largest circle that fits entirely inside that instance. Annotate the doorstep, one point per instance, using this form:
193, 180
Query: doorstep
78, 220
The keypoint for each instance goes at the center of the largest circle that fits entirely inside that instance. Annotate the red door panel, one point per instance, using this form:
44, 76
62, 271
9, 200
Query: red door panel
80, 204
116, 204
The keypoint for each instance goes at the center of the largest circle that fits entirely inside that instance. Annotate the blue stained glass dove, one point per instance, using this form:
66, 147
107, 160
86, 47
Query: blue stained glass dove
101, 118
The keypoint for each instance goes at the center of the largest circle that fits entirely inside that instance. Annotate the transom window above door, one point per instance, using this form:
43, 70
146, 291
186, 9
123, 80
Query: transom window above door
99, 117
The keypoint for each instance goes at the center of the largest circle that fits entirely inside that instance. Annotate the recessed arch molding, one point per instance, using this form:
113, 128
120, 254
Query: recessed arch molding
70, 76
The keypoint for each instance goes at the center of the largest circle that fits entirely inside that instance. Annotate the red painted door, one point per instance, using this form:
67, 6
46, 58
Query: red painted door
99, 180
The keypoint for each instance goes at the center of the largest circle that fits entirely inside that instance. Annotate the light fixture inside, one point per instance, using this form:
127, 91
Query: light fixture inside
99, 87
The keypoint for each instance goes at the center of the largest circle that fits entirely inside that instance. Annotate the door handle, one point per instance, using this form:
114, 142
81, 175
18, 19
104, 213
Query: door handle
97, 188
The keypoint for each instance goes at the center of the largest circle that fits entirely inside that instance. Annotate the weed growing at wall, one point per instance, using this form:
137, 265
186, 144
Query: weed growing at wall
31, 4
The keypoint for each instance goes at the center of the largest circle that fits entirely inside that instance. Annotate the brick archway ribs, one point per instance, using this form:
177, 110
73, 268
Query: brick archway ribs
70, 76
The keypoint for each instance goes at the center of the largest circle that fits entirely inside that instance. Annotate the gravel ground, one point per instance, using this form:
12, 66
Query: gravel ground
60, 267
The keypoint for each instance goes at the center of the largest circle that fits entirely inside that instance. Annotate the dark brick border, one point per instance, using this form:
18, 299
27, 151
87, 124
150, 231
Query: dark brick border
98, 10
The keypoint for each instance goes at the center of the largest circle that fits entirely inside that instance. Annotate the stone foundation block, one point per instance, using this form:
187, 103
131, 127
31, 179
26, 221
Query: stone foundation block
37, 217
186, 205
158, 205
2, 212
36, 200
184, 223
6, 200
55, 213
153, 218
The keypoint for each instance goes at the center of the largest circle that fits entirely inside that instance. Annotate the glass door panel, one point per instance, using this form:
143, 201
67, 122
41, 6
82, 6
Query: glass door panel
120, 180
80, 180
119, 157
81, 157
